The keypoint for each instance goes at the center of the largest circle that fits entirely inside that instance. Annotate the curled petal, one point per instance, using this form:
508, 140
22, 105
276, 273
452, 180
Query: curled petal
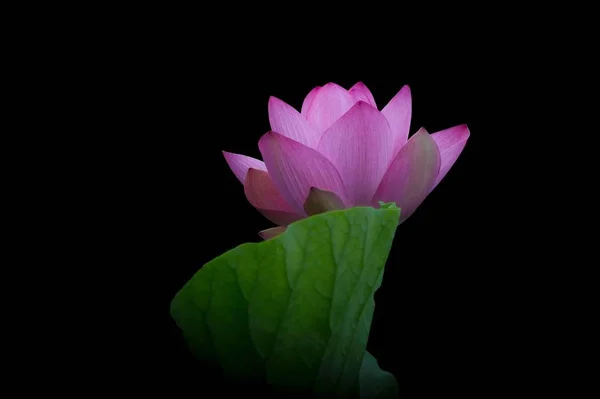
262, 194
411, 174
360, 146
360, 92
287, 121
272, 232
398, 112
450, 143
320, 201
240, 164
295, 168
329, 104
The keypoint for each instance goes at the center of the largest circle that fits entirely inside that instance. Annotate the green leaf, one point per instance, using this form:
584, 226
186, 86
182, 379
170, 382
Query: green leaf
374, 382
295, 310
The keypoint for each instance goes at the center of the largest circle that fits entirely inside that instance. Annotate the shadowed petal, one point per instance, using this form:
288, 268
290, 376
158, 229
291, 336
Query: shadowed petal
360, 92
295, 168
329, 104
450, 142
360, 145
320, 201
287, 121
272, 232
411, 174
262, 194
398, 112
240, 164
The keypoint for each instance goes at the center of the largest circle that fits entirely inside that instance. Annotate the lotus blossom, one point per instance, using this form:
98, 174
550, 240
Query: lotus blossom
340, 151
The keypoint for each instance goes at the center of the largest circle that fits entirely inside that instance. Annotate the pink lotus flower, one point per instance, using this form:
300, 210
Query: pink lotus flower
344, 152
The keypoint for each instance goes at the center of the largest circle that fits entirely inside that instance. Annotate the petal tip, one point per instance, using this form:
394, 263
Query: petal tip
270, 141
228, 156
273, 104
272, 232
264, 140
251, 172
360, 105
404, 90
462, 132
267, 136
422, 131
332, 84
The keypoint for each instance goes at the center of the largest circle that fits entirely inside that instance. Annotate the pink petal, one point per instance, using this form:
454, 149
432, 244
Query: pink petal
272, 232
360, 92
450, 142
308, 100
262, 194
360, 145
411, 174
295, 168
287, 121
398, 113
240, 164
329, 104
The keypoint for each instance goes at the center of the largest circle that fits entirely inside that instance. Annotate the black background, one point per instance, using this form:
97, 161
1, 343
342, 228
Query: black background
440, 322
434, 323
465, 308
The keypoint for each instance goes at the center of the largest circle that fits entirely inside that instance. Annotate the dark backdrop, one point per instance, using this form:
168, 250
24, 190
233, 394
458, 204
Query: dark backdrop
436, 325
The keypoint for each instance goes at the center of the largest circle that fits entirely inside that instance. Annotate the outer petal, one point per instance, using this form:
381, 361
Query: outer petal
450, 142
360, 146
398, 113
295, 168
287, 121
329, 104
360, 92
308, 100
262, 194
240, 164
411, 174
